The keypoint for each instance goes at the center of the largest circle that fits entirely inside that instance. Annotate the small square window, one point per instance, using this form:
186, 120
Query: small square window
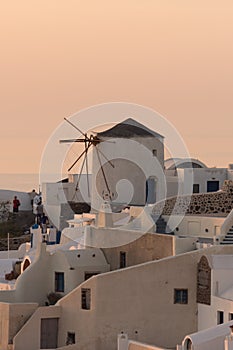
88, 275
180, 296
86, 298
59, 282
70, 339
196, 188
154, 152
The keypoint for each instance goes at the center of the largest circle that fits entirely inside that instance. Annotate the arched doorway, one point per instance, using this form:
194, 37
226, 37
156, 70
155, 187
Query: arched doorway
26, 264
188, 344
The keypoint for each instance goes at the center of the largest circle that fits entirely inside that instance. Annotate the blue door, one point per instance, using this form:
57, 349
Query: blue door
151, 190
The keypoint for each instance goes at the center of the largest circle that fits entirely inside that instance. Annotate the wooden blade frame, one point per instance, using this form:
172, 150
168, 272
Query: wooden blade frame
88, 142
74, 126
79, 177
86, 161
72, 140
112, 165
76, 161
103, 173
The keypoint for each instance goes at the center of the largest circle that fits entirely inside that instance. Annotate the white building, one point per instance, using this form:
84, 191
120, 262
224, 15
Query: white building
128, 168
115, 275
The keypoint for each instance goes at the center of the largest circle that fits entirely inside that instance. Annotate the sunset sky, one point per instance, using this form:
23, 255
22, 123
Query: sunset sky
57, 57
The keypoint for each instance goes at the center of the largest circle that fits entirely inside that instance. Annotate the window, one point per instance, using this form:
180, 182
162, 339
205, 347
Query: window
180, 296
196, 188
154, 152
70, 338
122, 260
212, 186
230, 316
220, 317
59, 281
88, 275
86, 298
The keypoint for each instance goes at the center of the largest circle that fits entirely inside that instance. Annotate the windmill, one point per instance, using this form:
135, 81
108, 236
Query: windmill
89, 141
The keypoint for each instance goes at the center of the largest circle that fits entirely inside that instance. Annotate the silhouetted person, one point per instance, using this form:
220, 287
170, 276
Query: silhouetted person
39, 213
16, 204
44, 222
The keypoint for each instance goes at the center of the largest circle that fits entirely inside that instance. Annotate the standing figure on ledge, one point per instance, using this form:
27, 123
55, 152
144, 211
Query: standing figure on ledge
16, 204
32, 195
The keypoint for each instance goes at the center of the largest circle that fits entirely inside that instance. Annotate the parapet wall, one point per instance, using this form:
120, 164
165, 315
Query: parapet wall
213, 203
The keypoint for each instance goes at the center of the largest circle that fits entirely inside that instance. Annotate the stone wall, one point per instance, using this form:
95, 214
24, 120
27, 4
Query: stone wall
213, 203
4, 211
146, 248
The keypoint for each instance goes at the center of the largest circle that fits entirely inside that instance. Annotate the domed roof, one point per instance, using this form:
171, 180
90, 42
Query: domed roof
129, 128
183, 163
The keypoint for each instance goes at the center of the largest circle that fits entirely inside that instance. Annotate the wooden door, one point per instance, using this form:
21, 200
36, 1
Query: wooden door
48, 333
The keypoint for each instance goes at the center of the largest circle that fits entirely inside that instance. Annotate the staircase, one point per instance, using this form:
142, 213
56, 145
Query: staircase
161, 225
228, 239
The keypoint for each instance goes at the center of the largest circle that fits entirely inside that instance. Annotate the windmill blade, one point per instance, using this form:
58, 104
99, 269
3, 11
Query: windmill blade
108, 141
112, 165
72, 140
96, 138
79, 177
86, 161
71, 167
74, 126
104, 176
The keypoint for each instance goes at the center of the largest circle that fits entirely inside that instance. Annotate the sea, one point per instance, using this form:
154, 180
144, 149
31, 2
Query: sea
19, 182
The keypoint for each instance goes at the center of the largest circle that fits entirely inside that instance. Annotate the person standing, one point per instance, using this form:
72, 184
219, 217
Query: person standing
16, 204
39, 213
32, 195
44, 222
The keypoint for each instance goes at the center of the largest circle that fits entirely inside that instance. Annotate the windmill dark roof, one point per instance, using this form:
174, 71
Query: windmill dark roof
129, 128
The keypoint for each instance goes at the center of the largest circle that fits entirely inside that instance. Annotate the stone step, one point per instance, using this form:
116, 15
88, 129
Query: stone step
228, 239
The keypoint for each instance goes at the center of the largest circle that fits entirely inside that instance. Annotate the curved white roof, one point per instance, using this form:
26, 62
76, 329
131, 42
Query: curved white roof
209, 334
173, 163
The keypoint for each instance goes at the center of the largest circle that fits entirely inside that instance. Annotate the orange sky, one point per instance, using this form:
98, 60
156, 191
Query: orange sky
57, 57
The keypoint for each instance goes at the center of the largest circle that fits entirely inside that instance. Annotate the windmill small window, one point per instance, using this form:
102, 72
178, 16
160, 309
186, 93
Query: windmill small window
89, 142
154, 152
